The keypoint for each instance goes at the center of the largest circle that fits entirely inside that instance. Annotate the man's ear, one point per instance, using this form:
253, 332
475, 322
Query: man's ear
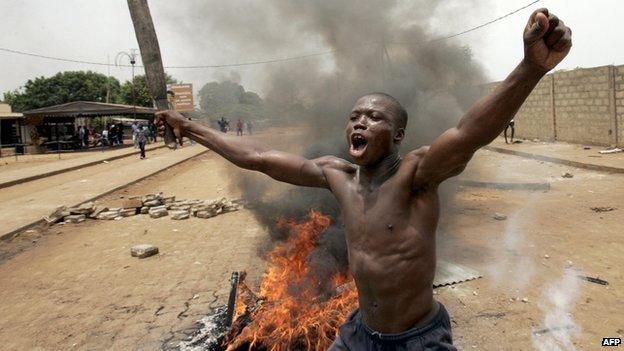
399, 135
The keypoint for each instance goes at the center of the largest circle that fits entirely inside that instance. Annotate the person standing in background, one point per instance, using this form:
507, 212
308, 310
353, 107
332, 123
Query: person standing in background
239, 127
81, 136
135, 134
141, 139
120, 134
513, 130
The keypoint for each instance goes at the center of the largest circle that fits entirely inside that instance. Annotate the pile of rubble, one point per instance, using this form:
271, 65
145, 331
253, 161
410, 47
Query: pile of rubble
154, 205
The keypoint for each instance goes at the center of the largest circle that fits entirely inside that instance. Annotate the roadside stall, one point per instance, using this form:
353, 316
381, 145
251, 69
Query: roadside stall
57, 127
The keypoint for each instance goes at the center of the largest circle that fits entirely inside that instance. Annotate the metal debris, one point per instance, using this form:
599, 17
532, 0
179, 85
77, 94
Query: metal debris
599, 209
548, 330
611, 151
594, 280
499, 216
448, 273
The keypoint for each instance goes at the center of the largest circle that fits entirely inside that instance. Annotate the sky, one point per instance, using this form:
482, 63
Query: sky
97, 30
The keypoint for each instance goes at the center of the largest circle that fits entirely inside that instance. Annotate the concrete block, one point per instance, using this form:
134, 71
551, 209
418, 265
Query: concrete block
157, 212
152, 203
179, 214
205, 213
127, 212
108, 215
75, 218
97, 211
143, 250
56, 215
85, 208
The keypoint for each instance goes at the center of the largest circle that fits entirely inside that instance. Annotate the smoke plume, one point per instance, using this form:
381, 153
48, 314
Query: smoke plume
557, 304
376, 45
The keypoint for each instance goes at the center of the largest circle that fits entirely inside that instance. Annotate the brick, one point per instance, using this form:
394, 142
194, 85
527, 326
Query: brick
143, 250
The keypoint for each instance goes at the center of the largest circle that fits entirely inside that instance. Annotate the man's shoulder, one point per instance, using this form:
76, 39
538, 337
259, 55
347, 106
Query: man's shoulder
335, 163
414, 156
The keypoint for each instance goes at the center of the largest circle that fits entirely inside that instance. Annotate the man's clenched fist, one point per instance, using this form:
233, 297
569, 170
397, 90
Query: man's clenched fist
546, 40
172, 118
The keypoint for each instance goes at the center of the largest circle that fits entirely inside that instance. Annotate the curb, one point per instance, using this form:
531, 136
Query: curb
561, 161
504, 186
11, 234
69, 169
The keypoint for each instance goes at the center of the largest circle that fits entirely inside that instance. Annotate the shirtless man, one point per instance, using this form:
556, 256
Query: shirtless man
390, 204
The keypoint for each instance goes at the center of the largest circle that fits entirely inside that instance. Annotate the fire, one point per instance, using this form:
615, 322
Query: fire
294, 310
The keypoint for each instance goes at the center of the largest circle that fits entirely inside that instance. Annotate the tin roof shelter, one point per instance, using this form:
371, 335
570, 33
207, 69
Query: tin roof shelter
89, 109
10, 125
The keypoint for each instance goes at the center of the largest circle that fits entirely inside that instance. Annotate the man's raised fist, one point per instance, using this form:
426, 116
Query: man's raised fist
547, 40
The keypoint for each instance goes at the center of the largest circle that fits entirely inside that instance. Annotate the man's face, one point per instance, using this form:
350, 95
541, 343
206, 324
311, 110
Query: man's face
372, 130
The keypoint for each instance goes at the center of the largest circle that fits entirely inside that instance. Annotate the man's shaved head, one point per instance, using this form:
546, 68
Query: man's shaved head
401, 113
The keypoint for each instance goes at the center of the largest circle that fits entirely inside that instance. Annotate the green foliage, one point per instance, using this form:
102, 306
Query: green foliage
78, 86
62, 88
230, 100
142, 94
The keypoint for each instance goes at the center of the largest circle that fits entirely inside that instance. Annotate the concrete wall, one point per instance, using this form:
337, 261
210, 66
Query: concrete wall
534, 117
618, 80
584, 106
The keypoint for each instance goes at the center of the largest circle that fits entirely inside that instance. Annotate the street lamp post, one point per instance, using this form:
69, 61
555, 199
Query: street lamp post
132, 57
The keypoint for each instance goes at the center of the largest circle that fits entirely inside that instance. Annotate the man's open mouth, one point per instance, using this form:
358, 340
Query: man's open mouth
358, 145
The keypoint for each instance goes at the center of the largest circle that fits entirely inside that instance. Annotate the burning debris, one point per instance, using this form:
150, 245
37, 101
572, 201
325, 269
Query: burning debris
294, 308
156, 205
297, 308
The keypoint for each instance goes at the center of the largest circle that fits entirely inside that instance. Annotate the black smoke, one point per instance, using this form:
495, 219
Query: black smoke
375, 45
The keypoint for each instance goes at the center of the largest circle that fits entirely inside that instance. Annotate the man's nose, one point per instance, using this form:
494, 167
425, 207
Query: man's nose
361, 123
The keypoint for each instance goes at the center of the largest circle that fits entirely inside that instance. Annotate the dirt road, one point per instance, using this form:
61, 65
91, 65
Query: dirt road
78, 288
25, 203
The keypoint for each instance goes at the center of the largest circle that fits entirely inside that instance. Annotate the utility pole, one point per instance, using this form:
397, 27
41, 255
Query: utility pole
152, 60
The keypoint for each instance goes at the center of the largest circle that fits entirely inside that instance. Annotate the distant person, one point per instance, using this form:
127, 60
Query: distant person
81, 136
239, 127
112, 133
141, 139
223, 125
249, 127
510, 125
119, 133
105, 136
135, 133
153, 131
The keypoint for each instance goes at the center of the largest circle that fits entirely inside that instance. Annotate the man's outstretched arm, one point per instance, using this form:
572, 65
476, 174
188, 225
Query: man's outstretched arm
246, 154
546, 42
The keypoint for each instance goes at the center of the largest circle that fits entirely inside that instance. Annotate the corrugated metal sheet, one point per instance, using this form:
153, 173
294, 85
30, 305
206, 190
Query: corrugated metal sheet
88, 109
448, 273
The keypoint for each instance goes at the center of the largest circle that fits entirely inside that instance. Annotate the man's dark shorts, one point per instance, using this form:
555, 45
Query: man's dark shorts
356, 336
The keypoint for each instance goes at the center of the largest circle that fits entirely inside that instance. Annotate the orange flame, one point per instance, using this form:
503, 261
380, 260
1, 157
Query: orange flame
294, 315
